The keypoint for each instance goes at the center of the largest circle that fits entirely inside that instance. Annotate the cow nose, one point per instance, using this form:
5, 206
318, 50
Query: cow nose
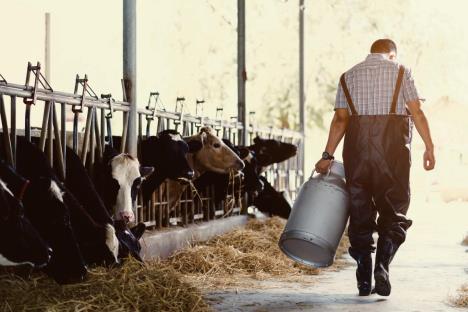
127, 216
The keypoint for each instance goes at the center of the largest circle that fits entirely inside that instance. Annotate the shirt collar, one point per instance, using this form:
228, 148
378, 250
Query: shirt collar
376, 56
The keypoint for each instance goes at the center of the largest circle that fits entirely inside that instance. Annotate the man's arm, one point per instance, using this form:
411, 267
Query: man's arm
422, 125
337, 131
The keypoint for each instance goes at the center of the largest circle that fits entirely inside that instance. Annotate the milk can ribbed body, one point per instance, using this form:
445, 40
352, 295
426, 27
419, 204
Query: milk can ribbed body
318, 219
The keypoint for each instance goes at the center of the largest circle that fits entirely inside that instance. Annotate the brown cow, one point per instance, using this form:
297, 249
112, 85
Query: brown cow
214, 155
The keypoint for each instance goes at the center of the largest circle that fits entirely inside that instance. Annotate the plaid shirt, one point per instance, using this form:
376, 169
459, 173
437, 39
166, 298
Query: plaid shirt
371, 85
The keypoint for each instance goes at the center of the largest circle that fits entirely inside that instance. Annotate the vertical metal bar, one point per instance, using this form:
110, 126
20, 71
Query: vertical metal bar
84, 150
140, 131
76, 117
5, 134
301, 85
63, 131
92, 144
99, 147
47, 47
241, 71
103, 129
109, 131
27, 122
44, 128
124, 132
130, 70
50, 136
58, 144
13, 127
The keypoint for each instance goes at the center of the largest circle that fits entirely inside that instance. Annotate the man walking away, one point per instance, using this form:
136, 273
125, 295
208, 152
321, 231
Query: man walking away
376, 105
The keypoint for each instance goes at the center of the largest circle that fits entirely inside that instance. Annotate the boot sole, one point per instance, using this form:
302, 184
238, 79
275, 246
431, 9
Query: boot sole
382, 284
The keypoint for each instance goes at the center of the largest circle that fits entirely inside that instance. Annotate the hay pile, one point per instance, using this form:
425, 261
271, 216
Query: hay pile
461, 299
132, 287
250, 251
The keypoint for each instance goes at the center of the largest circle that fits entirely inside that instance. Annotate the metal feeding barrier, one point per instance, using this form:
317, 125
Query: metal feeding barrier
101, 113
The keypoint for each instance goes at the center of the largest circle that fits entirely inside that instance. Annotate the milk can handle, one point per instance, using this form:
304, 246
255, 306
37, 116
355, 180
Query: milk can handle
313, 172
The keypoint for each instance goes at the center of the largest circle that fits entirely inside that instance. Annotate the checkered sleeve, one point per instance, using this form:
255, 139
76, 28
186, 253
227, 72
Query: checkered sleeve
409, 89
340, 101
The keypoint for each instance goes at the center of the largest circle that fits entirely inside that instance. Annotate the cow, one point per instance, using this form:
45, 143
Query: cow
212, 155
251, 182
118, 178
20, 243
272, 202
119, 238
49, 207
167, 153
269, 151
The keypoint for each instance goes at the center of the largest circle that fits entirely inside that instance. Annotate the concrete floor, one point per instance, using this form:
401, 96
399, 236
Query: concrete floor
427, 270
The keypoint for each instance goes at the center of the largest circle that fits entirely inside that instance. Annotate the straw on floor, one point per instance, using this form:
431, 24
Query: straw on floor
252, 250
133, 287
461, 299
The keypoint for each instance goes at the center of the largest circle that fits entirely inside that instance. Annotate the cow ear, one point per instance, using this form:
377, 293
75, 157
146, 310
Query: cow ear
138, 230
146, 171
257, 140
203, 137
194, 146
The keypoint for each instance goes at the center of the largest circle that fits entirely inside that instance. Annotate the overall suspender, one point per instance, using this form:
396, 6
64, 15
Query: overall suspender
396, 93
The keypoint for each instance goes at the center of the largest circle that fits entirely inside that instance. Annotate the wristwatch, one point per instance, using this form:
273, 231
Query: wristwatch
327, 156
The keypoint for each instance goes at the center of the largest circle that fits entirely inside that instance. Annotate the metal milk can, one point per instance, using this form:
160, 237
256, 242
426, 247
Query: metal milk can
318, 219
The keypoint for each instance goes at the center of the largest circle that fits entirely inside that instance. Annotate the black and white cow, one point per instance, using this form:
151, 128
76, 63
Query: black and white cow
272, 202
167, 153
20, 243
118, 179
50, 208
119, 239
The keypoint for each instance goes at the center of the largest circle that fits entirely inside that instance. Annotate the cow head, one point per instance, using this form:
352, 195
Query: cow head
273, 202
20, 243
214, 154
167, 153
269, 151
123, 179
90, 219
252, 182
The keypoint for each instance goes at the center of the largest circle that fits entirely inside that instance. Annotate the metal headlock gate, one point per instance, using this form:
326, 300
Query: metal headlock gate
100, 115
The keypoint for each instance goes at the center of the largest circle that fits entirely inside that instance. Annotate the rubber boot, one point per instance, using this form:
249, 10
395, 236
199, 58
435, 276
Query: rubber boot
363, 272
386, 249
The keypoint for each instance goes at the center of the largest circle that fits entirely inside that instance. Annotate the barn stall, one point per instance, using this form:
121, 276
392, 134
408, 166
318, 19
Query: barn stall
196, 217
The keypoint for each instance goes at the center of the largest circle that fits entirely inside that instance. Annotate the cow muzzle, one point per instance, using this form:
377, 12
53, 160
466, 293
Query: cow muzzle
127, 216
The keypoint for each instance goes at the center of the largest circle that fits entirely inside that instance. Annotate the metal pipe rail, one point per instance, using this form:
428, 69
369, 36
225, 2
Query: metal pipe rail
156, 212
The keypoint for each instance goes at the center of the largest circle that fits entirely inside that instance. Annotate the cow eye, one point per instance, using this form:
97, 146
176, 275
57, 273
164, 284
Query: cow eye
216, 145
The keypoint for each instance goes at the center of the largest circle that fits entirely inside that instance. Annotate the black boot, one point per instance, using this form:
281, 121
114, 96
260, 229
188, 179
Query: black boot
386, 249
363, 272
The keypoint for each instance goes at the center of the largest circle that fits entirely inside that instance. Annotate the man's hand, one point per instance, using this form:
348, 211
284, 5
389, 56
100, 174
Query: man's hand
422, 125
323, 165
429, 159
